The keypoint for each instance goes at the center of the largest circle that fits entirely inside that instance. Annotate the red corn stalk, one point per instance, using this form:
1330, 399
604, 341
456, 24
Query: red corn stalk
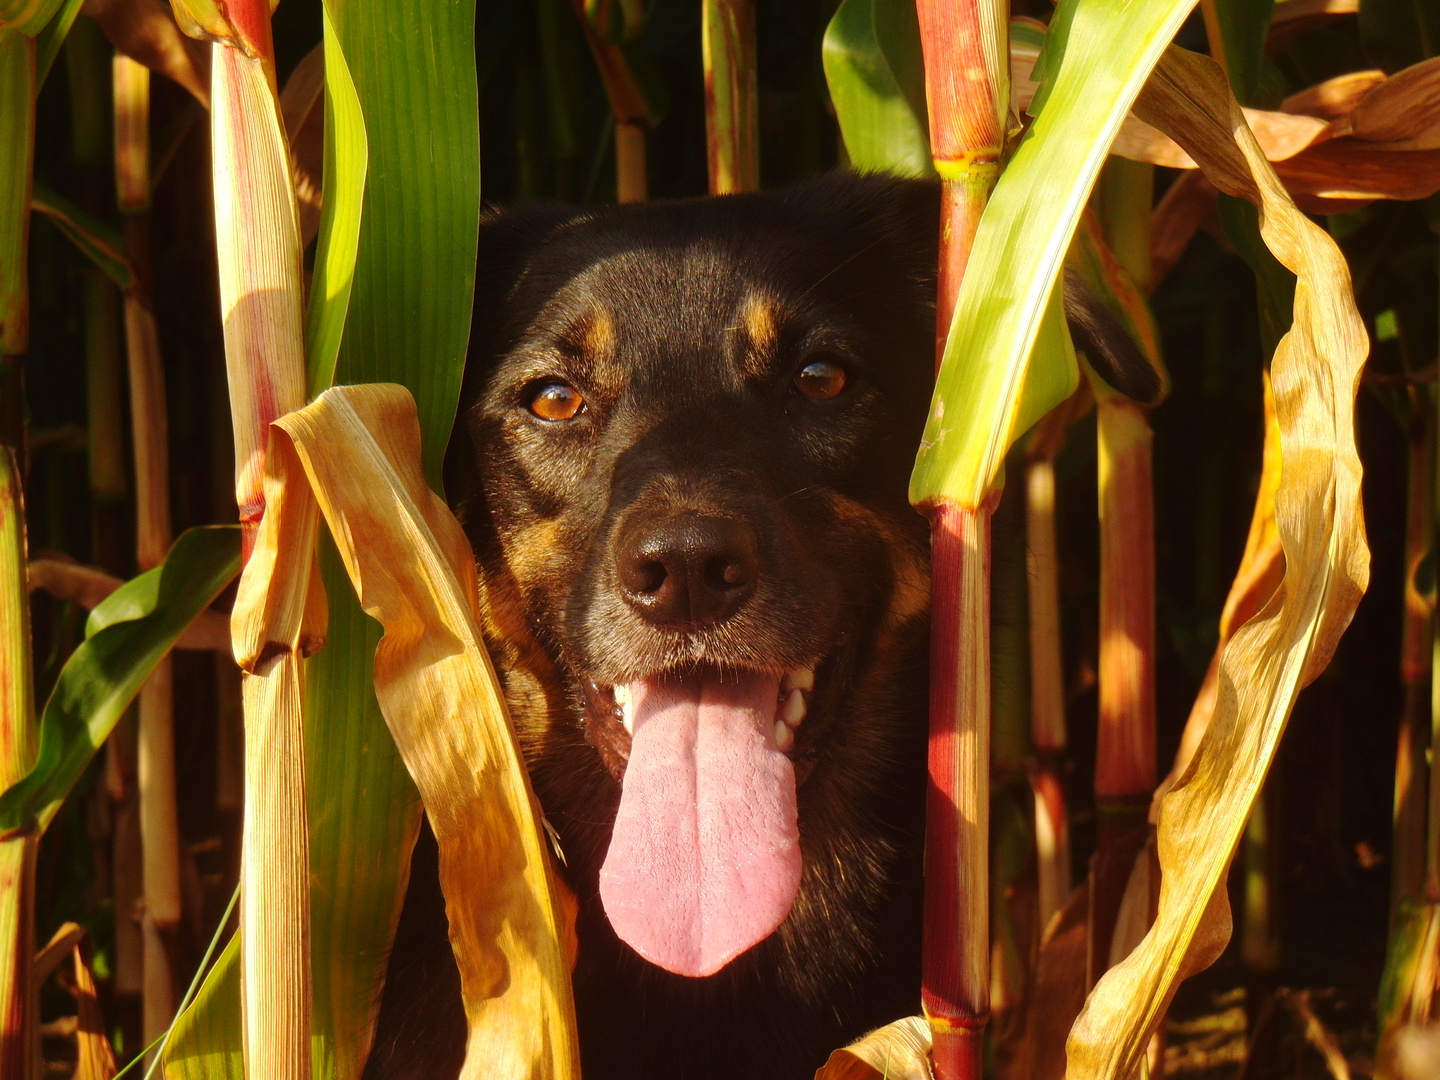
732, 124
966, 79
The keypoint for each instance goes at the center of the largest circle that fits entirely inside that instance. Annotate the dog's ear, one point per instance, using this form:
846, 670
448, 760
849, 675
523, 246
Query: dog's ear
1108, 346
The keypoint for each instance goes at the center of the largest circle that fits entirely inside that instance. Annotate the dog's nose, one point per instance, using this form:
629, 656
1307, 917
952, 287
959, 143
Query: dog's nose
687, 570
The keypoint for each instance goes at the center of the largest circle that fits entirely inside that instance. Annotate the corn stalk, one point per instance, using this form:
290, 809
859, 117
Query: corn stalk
732, 123
18, 87
19, 1044
967, 85
155, 758
614, 29
1125, 767
261, 295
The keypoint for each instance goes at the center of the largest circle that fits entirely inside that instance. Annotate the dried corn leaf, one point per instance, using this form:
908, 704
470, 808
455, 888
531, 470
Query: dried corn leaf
1316, 373
897, 1051
1335, 97
145, 31
359, 446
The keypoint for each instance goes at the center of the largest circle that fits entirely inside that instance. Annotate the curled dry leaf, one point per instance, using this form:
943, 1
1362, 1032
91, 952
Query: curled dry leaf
145, 31
1337, 145
1335, 97
1316, 371
897, 1051
356, 451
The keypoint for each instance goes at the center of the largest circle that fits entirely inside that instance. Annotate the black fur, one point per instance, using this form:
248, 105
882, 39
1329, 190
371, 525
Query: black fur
683, 325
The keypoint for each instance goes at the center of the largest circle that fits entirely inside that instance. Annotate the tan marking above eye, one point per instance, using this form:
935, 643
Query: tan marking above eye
556, 401
599, 333
821, 379
762, 319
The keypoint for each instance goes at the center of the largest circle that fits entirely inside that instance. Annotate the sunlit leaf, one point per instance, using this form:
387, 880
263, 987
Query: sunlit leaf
413, 568
979, 407
346, 153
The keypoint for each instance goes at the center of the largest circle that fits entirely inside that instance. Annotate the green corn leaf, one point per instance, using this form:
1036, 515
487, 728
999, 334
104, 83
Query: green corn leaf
27, 16
97, 241
988, 390
17, 144
346, 160
126, 636
49, 40
393, 293
876, 76
206, 1043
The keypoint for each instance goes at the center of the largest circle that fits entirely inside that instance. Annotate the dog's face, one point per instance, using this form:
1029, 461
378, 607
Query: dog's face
693, 426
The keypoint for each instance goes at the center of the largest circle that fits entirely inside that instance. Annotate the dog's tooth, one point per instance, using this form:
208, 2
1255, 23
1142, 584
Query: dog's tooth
627, 715
799, 679
622, 694
784, 736
795, 707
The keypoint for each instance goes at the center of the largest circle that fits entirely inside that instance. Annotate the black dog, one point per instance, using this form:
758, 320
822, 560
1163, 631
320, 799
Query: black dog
690, 427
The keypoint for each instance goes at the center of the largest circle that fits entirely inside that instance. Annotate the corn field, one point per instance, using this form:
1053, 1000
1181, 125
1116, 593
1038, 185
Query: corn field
1180, 815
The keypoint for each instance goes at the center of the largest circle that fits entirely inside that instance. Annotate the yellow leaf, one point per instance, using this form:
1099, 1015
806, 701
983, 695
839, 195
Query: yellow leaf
1315, 371
356, 451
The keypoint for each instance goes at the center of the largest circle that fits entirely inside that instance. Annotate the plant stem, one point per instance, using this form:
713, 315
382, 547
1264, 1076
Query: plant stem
258, 242
18, 1046
155, 759
955, 988
19, 1043
966, 54
632, 183
732, 124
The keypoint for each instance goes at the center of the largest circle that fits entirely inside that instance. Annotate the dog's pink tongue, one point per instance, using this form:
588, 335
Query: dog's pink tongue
705, 858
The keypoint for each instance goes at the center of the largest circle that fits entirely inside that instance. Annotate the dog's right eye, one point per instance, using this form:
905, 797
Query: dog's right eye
555, 401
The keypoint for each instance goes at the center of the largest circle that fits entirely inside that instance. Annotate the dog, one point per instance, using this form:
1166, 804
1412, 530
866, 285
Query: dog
685, 436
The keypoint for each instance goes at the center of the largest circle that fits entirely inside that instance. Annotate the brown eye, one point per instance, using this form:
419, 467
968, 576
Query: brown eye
557, 401
820, 380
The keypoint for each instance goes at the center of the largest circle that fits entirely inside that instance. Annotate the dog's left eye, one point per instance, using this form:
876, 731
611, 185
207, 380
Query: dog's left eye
821, 379
556, 401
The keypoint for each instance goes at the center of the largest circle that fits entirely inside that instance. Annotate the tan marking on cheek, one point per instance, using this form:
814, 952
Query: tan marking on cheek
531, 550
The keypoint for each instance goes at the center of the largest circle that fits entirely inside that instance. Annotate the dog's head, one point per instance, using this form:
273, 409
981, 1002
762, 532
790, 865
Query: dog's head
691, 429
693, 424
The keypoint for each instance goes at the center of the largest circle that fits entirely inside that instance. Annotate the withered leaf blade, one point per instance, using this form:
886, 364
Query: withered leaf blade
359, 447
1315, 372
897, 1051
145, 31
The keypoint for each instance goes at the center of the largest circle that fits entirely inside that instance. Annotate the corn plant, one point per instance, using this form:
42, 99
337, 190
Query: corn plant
343, 365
